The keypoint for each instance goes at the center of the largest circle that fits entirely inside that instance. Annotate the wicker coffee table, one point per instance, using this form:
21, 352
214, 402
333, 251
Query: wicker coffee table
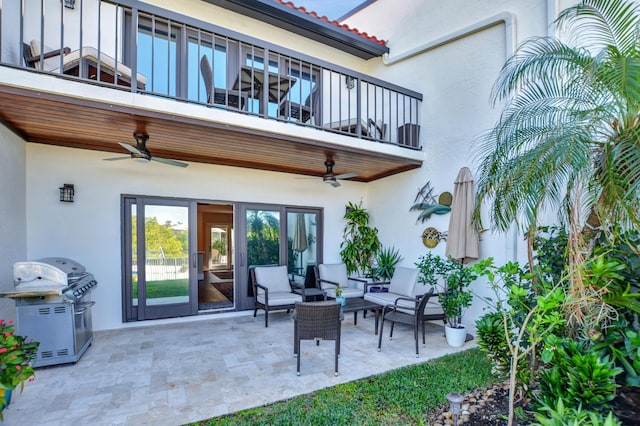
357, 304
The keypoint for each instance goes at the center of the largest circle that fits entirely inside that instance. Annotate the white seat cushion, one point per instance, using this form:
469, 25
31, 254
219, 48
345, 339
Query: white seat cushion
278, 298
384, 299
335, 272
404, 281
347, 292
274, 278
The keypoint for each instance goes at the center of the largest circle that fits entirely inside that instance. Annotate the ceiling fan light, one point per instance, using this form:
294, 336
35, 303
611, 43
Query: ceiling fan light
141, 159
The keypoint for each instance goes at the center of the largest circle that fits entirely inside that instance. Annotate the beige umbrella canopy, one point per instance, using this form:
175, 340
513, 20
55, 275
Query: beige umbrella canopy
462, 239
300, 242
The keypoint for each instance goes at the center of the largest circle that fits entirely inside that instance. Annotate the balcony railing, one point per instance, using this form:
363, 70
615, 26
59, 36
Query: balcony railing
133, 46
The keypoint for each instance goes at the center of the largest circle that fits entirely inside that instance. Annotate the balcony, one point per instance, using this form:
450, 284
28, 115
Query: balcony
162, 58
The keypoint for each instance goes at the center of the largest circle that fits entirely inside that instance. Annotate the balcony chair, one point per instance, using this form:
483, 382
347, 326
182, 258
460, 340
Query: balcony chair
81, 63
301, 112
221, 96
330, 276
273, 290
317, 321
409, 311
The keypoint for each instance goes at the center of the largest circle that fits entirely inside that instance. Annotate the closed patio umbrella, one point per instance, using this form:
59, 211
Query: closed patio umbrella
300, 243
462, 240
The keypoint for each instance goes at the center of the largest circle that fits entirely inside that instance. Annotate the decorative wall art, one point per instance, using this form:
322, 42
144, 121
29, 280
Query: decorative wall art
431, 237
427, 203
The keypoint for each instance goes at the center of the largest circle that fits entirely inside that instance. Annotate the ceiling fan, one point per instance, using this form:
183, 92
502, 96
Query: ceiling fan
141, 153
331, 178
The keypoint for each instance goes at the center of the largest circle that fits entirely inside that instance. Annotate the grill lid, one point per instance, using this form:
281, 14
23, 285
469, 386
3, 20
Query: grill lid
50, 276
53, 272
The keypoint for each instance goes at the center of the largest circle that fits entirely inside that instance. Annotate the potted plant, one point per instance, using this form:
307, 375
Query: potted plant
384, 263
455, 296
16, 355
339, 298
361, 241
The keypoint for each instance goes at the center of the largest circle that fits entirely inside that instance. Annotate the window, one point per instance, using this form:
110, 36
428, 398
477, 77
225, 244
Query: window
158, 43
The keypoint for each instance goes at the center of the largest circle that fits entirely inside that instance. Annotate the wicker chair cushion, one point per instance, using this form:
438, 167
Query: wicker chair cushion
280, 298
274, 278
404, 281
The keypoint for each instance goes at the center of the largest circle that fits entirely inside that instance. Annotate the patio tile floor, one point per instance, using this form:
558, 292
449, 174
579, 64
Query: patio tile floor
171, 374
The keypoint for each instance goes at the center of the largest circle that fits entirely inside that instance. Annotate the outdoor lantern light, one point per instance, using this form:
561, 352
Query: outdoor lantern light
66, 193
350, 82
71, 4
455, 405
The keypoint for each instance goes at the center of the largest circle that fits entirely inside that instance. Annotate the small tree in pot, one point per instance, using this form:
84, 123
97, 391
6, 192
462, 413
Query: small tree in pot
456, 295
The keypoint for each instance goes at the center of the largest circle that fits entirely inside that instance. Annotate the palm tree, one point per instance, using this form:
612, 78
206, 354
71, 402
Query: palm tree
569, 135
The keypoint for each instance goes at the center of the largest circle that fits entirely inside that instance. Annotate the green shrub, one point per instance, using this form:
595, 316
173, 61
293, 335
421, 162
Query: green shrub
622, 344
492, 340
559, 415
576, 370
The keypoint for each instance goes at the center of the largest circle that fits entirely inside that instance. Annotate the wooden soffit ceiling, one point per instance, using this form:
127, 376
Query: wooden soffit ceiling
65, 121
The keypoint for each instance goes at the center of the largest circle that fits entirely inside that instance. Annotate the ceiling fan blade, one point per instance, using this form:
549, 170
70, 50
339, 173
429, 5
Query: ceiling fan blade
128, 157
346, 175
332, 182
130, 148
169, 162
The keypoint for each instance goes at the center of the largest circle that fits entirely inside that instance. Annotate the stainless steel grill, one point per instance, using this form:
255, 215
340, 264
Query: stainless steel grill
53, 307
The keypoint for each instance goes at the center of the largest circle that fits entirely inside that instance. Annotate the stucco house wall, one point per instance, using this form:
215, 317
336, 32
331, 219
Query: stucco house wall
451, 52
455, 78
13, 217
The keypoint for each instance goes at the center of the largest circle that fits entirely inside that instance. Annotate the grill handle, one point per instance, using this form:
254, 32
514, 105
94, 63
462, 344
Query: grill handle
85, 307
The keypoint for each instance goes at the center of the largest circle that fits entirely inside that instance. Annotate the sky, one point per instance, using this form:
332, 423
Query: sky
333, 9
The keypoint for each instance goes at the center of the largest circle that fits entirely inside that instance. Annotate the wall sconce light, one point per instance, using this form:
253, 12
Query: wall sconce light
350, 82
455, 405
66, 193
70, 4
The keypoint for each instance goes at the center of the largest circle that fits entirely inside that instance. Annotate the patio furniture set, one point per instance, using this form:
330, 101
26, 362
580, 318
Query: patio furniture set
400, 300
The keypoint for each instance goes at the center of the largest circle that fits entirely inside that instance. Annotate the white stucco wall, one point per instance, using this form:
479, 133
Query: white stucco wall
13, 221
456, 79
88, 230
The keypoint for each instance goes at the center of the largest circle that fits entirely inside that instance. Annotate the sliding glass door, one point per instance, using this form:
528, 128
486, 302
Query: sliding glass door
276, 235
160, 278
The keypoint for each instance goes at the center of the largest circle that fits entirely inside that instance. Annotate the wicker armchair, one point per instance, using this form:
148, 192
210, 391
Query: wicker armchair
272, 290
317, 321
401, 312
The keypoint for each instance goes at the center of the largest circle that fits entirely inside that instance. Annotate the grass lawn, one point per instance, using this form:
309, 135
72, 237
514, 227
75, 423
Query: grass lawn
165, 288
398, 397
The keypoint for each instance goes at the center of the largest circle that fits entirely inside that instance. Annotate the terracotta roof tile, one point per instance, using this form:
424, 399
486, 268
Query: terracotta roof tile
329, 21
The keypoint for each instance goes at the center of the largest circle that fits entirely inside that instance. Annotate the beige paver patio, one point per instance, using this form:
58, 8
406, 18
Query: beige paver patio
177, 373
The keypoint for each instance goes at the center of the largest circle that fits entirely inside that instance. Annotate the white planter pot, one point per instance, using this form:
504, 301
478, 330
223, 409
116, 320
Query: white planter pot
455, 336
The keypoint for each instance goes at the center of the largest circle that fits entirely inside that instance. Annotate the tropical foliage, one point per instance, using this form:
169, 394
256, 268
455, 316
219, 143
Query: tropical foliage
263, 238
568, 140
384, 263
361, 241
569, 132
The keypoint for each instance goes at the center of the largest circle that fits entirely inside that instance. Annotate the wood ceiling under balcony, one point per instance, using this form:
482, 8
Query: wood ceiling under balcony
79, 123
